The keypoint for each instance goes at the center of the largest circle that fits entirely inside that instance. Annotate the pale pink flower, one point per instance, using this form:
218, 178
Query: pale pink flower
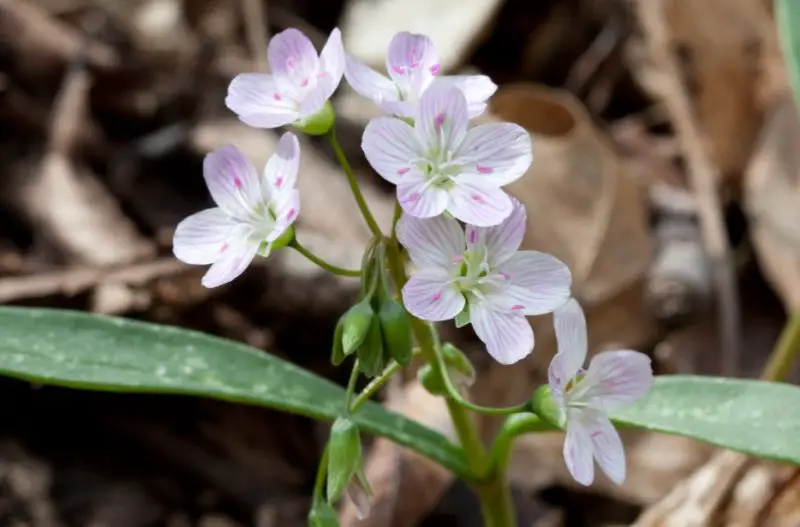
614, 379
252, 211
298, 87
413, 66
439, 165
477, 275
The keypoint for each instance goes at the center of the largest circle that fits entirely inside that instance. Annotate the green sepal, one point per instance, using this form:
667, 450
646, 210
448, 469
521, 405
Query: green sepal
322, 515
344, 457
357, 322
337, 352
431, 380
548, 410
319, 123
285, 239
462, 319
459, 366
396, 330
371, 354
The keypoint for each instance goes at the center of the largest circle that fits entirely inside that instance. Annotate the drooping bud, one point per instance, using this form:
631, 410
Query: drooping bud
396, 330
360, 493
319, 123
357, 322
431, 380
371, 354
322, 515
337, 351
458, 365
544, 406
344, 457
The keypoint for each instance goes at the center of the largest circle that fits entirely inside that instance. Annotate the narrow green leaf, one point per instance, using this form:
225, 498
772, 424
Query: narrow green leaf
755, 417
788, 19
93, 352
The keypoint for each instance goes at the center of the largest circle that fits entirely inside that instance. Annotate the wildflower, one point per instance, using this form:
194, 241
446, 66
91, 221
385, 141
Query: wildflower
253, 215
438, 165
413, 66
614, 379
299, 86
477, 274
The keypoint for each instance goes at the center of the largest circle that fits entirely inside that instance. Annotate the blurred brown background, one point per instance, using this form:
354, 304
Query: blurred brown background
665, 175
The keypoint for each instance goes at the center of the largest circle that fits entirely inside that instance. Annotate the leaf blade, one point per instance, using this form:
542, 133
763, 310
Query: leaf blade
79, 350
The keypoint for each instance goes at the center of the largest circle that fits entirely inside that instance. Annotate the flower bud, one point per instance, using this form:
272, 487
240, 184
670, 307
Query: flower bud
337, 353
396, 330
344, 456
319, 123
371, 354
458, 365
322, 515
357, 322
544, 406
431, 380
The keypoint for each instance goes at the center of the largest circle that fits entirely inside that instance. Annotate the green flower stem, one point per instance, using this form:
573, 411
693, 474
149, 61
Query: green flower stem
322, 263
351, 179
514, 426
785, 352
376, 383
319, 482
351, 387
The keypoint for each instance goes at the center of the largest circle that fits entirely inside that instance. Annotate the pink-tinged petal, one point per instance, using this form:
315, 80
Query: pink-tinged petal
558, 376
570, 327
477, 89
495, 153
421, 200
412, 63
441, 120
429, 295
287, 209
200, 238
508, 337
538, 282
406, 109
578, 449
431, 242
332, 61
479, 205
292, 57
280, 172
314, 99
503, 241
232, 181
390, 147
615, 379
234, 260
259, 101
607, 444
368, 82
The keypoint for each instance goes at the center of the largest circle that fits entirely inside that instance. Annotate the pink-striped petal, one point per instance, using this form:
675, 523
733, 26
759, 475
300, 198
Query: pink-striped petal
429, 295
314, 99
406, 109
539, 282
495, 154
412, 63
332, 62
368, 82
421, 200
508, 337
200, 238
232, 182
431, 242
390, 147
502, 241
607, 444
558, 376
292, 57
287, 208
615, 379
479, 205
579, 449
477, 89
280, 172
570, 327
259, 101
441, 121
234, 260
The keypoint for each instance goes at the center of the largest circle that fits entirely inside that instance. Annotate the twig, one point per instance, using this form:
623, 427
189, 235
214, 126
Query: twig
703, 176
255, 25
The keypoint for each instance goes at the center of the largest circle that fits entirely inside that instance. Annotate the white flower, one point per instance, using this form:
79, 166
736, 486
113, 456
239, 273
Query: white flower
614, 379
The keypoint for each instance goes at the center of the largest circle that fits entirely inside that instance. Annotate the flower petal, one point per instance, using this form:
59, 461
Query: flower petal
314, 99
407, 109
508, 337
199, 239
497, 153
502, 241
368, 82
615, 379
441, 120
477, 90
412, 63
429, 295
419, 199
234, 260
558, 376
607, 444
292, 57
431, 242
287, 208
539, 282
479, 205
259, 101
570, 327
390, 146
280, 172
578, 449
332, 62
232, 181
